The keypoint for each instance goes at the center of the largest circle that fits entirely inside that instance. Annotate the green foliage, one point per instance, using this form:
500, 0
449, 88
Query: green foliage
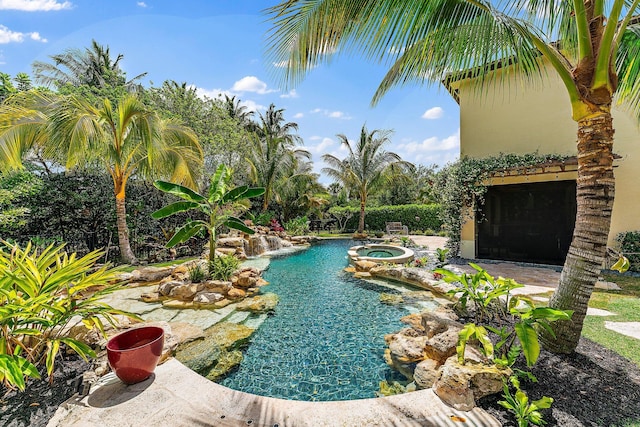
471, 332
298, 226
525, 412
630, 247
442, 257
492, 299
264, 218
480, 289
413, 216
418, 262
219, 206
223, 267
78, 209
42, 294
224, 139
342, 214
461, 187
529, 321
197, 274
14, 188
406, 241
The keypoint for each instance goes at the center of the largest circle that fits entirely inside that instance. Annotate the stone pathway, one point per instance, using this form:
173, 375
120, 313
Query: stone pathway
630, 329
177, 396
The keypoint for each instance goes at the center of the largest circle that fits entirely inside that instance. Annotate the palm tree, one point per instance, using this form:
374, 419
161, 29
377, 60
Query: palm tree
92, 66
364, 167
239, 112
128, 139
274, 155
426, 41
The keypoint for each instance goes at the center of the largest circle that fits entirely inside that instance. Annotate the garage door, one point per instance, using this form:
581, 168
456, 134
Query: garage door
527, 222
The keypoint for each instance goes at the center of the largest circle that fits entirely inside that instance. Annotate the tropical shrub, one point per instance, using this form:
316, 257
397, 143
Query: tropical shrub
223, 267
298, 226
442, 253
43, 294
264, 218
78, 209
480, 289
274, 225
197, 274
413, 216
525, 412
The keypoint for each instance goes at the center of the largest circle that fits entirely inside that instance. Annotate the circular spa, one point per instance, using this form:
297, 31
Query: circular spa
385, 253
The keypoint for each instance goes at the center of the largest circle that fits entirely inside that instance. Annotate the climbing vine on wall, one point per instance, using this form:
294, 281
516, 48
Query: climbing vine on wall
461, 184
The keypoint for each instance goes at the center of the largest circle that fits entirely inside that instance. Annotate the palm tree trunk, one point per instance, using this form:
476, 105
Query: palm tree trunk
595, 194
363, 202
126, 254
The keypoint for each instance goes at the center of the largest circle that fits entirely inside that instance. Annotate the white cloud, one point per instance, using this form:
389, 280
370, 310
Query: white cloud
298, 115
36, 36
253, 106
34, 5
433, 113
8, 36
322, 147
431, 150
212, 93
251, 84
142, 4
331, 114
220, 93
291, 94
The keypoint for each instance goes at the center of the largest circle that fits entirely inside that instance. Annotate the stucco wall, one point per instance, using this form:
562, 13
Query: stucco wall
513, 118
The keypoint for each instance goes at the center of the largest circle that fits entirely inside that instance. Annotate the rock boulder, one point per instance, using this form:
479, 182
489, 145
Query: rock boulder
460, 386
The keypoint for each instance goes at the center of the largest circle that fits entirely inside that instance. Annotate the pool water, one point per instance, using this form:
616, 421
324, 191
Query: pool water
379, 254
326, 338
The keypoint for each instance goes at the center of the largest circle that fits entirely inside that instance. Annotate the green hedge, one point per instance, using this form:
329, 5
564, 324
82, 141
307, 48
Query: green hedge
376, 218
630, 247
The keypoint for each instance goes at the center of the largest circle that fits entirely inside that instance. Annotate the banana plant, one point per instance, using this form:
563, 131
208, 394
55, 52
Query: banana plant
218, 206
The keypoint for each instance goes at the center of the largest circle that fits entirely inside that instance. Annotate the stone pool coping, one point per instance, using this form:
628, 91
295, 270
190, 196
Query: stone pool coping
175, 395
407, 254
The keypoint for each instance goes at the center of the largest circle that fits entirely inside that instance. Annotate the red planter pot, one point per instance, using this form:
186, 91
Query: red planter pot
134, 354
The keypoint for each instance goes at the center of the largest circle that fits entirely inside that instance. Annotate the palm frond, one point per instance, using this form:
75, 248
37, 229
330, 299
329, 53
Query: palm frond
628, 68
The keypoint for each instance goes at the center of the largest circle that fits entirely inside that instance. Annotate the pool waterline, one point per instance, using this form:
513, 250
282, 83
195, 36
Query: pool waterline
326, 339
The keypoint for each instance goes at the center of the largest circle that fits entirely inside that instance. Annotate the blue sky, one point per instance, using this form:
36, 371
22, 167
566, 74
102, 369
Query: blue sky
218, 46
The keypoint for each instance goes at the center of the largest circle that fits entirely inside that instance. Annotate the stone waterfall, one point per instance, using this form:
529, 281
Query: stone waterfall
258, 244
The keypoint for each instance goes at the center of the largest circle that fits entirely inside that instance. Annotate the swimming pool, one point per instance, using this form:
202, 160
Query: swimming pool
326, 338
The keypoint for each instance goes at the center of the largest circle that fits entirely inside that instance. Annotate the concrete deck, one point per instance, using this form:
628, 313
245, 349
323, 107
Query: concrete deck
177, 396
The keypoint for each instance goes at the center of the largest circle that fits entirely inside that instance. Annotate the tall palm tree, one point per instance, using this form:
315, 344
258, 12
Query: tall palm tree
426, 40
364, 167
237, 111
127, 138
92, 66
275, 154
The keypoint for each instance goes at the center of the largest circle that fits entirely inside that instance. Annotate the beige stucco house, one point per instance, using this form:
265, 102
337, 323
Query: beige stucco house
529, 213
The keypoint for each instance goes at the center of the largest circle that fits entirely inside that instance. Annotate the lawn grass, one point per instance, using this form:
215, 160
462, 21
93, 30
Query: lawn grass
625, 303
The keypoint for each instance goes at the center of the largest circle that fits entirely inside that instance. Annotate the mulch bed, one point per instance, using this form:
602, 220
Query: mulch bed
591, 387
36, 405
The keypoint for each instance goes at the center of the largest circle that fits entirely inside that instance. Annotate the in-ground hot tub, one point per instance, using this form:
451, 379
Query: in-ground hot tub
378, 253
